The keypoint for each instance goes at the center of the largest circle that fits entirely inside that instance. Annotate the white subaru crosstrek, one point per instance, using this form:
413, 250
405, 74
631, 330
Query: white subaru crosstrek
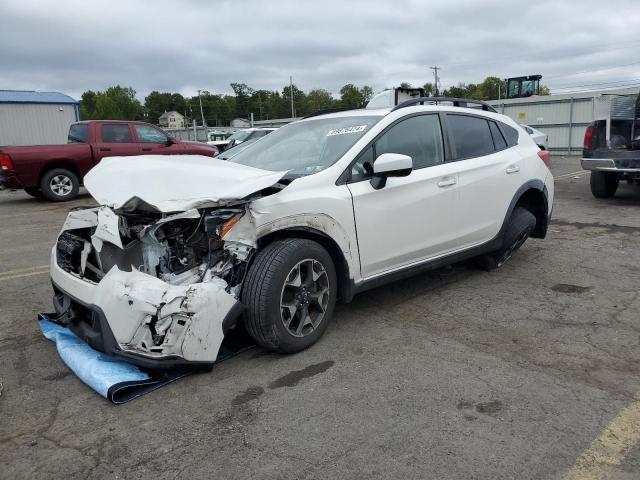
184, 248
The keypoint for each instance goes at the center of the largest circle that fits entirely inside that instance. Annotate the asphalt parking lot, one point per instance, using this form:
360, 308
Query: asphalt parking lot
527, 372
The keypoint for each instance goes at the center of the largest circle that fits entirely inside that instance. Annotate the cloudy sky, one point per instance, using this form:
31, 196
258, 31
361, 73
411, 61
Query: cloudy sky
75, 45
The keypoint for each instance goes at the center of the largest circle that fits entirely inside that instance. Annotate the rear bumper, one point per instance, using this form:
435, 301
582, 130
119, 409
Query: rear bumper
626, 165
9, 180
143, 320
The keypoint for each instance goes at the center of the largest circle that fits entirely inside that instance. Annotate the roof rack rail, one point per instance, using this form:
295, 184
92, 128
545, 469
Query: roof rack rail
327, 111
457, 102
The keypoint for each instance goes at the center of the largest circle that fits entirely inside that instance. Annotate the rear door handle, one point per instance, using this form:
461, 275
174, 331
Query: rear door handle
105, 149
146, 149
447, 182
512, 169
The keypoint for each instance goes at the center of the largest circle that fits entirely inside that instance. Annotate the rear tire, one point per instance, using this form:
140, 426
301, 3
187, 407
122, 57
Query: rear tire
34, 192
521, 224
59, 185
282, 316
603, 184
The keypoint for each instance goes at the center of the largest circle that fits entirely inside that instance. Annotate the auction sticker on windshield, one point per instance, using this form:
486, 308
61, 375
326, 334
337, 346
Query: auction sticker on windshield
345, 130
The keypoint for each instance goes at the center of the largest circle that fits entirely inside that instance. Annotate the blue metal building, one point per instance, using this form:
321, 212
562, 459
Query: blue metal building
36, 118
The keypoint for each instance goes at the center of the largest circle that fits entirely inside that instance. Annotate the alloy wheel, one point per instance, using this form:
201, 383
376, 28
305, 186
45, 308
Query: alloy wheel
61, 185
304, 298
520, 239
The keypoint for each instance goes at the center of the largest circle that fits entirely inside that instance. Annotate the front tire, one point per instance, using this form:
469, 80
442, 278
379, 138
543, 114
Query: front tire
603, 184
290, 292
521, 224
59, 185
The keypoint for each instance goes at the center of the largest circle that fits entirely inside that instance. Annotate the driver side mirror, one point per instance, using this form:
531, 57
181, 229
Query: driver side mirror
390, 165
170, 141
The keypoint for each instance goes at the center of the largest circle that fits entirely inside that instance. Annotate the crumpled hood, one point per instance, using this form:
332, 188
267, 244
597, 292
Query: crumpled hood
172, 183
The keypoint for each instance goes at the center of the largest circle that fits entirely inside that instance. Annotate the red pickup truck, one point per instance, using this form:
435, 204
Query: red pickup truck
55, 172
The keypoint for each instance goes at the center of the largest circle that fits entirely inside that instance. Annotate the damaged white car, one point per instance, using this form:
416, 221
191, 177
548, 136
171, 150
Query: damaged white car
183, 249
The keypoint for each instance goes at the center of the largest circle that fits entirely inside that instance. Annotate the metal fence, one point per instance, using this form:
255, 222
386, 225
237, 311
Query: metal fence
564, 118
198, 134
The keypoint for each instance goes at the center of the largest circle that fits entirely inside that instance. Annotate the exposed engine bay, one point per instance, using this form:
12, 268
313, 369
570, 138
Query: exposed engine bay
177, 249
170, 272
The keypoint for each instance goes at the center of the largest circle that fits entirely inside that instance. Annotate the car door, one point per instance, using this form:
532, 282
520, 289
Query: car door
410, 218
489, 176
152, 141
115, 139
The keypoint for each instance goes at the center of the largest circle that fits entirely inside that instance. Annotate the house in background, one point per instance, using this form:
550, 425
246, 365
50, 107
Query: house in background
172, 119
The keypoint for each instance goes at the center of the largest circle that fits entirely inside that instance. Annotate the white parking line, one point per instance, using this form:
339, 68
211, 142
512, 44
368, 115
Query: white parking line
24, 272
574, 174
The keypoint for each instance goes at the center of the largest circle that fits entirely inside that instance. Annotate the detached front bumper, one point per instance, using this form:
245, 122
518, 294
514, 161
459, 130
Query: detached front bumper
144, 320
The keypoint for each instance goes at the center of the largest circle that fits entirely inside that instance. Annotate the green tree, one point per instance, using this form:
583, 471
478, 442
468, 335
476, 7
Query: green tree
367, 94
88, 105
115, 103
405, 85
319, 99
354, 97
299, 100
489, 89
242, 92
156, 103
350, 96
429, 89
462, 90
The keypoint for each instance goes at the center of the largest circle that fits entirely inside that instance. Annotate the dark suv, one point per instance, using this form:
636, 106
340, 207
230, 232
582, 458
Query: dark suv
612, 144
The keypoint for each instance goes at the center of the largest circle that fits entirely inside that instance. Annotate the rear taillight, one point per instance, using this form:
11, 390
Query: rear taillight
5, 162
545, 156
588, 138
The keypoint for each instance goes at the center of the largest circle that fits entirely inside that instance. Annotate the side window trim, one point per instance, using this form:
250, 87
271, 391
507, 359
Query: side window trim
345, 177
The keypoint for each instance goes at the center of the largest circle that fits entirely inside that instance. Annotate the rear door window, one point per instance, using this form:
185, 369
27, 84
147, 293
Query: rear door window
471, 136
116, 133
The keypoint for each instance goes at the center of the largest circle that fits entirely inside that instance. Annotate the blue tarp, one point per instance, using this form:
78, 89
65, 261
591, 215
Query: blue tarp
114, 379
117, 380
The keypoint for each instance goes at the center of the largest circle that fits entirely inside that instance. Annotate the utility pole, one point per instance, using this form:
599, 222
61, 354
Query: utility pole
195, 137
435, 75
291, 92
204, 124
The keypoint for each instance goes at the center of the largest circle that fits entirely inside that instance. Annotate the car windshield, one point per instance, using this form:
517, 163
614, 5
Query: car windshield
304, 148
239, 136
230, 152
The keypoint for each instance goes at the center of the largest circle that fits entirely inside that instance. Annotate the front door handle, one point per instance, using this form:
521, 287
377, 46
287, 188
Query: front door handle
146, 149
512, 169
447, 182
105, 149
